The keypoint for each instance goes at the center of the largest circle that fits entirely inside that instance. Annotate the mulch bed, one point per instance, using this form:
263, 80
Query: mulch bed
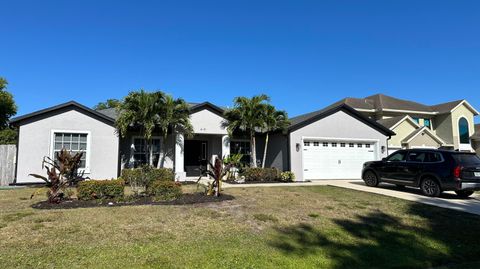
186, 199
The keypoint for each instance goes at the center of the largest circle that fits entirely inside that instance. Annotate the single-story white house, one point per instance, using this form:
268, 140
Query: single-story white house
331, 143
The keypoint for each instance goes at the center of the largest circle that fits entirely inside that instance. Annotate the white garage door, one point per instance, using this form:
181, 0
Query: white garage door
336, 160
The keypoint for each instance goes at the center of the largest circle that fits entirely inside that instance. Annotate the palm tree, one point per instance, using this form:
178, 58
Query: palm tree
247, 116
140, 109
274, 120
174, 115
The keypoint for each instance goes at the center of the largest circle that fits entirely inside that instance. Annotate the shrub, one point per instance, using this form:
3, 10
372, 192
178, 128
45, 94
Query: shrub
100, 189
140, 179
165, 190
261, 174
287, 176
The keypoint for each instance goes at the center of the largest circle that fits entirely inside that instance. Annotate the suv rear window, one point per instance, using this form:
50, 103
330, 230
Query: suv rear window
466, 159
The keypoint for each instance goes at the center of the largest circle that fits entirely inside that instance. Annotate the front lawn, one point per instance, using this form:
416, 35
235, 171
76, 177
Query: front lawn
286, 227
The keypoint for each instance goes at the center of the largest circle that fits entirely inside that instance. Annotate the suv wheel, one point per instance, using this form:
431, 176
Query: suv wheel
430, 187
370, 179
464, 194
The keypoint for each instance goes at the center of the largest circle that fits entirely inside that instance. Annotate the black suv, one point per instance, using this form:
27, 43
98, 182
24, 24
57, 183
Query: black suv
432, 170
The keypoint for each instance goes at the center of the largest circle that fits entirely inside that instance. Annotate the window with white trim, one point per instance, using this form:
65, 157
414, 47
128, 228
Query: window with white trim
72, 142
351, 145
306, 144
367, 146
315, 144
359, 145
241, 147
334, 145
342, 145
325, 144
141, 152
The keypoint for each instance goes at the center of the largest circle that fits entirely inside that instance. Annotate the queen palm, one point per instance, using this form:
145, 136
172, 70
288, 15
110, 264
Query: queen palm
139, 110
174, 115
274, 120
247, 116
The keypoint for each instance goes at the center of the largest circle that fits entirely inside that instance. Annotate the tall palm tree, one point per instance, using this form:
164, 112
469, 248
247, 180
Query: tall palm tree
247, 116
139, 110
274, 120
174, 115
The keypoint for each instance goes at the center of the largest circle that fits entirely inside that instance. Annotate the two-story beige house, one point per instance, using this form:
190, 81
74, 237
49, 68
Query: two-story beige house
449, 126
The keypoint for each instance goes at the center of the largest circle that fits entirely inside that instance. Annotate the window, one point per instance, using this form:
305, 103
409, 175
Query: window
72, 142
242, 147
306, 144
315, 144
141, 150
417, 120
351, 145
342, 145
334, 145
417, 157
325, 144
367, 146
359, 145
433, 157
427, 123
464, 132
398, 156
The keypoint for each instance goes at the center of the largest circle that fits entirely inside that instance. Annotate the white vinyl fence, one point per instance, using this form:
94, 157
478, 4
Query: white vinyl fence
8, 155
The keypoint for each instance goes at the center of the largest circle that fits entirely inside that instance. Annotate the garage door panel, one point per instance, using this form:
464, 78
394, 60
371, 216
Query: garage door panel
334, 160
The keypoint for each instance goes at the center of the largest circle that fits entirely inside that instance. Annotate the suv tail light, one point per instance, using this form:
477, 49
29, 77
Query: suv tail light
457, 172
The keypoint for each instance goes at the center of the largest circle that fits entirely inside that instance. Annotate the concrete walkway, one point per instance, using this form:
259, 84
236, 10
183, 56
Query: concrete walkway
448, 199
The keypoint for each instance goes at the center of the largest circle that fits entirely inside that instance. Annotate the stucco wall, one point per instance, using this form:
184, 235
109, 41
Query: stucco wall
442, 127
403, 130
337, 125
35, 143
207, 122
277, 151
424, 140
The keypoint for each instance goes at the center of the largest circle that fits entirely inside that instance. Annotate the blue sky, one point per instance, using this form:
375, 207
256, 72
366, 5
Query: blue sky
304, 54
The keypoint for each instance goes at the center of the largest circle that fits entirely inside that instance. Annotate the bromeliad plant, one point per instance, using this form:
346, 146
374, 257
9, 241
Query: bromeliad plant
216, 171
61, 173
235, 163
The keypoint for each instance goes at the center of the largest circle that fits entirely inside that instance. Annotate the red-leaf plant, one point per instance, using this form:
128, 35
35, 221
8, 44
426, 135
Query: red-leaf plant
217, 172
61, 173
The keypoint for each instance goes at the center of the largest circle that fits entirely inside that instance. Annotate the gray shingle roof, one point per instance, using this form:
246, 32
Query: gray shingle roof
113, 113
381, 102
390, 122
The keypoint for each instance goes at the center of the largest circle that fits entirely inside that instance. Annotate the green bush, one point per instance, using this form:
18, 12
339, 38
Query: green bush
287, 176
140, 179
261, 174
164, 190
147, 173
100, 189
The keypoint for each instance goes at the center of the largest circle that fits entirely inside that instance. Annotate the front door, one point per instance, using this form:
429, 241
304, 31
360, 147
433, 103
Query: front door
196, 157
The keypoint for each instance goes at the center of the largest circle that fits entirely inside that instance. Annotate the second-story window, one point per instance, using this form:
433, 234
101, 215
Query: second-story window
427, 123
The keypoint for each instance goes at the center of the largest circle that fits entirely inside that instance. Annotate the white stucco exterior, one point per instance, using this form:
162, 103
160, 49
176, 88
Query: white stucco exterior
35, 142
207, 122
339, 126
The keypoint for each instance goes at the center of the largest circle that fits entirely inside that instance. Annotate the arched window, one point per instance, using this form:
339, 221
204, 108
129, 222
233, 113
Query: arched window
464, 133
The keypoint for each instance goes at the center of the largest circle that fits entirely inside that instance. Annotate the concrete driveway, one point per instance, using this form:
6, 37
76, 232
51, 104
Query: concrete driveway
447, 200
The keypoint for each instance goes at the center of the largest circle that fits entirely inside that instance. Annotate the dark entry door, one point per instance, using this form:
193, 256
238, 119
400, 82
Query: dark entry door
196, 157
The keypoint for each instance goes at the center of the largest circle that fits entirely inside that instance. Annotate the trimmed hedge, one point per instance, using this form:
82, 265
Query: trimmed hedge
261, 174
164, 190
100, 189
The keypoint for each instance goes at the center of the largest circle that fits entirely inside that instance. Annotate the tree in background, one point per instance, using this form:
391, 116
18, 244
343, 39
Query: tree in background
110, 103
8, 108
274, 120
247, 115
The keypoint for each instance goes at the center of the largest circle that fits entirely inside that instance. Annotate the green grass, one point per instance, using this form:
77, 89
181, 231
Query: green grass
294, 227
